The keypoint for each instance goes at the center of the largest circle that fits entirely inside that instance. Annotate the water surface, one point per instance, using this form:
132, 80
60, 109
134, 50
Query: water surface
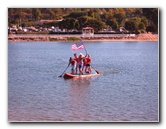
126, 90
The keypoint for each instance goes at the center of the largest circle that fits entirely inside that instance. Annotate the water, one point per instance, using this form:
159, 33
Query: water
126, 90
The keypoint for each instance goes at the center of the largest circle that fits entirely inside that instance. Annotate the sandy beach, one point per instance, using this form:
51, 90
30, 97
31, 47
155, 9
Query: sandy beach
95, 38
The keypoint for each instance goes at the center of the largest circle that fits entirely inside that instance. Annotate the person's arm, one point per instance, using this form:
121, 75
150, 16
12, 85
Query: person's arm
69, 62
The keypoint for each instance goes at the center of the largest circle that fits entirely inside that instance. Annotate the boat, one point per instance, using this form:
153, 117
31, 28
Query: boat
69, 75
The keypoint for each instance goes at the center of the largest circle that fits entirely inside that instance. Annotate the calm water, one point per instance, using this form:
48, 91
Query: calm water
126, 90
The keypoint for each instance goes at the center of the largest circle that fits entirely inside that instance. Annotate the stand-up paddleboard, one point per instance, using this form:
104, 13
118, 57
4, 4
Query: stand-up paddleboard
69, 75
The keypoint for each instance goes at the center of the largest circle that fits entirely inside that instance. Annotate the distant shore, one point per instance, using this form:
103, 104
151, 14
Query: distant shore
73, 38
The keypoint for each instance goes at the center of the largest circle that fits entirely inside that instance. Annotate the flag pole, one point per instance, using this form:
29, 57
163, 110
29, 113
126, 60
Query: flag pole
84, 47
86, 55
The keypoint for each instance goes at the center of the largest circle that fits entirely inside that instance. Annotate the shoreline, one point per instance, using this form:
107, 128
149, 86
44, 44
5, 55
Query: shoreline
97, 38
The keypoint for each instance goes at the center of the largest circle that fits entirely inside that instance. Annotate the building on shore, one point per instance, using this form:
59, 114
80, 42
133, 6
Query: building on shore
87, 32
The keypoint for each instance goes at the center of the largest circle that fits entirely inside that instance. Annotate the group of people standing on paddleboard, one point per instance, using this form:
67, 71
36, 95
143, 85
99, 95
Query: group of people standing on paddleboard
81, 64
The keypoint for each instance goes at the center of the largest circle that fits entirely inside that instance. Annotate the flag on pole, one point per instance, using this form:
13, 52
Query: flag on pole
77, 46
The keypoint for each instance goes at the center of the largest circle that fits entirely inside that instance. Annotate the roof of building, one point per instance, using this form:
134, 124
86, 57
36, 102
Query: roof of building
87, 28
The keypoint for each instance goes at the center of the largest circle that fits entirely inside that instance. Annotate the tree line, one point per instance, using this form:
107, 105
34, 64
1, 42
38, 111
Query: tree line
133, 19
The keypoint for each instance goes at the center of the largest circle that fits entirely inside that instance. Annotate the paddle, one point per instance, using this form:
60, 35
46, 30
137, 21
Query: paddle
95, 70
63, 71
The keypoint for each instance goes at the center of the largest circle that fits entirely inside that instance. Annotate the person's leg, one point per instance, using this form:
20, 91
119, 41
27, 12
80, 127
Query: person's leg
80, 69
90, 69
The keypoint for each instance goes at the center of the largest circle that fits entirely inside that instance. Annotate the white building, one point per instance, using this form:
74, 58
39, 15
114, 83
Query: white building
88, 31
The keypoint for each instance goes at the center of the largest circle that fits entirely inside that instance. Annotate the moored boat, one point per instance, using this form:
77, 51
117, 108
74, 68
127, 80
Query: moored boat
69, 75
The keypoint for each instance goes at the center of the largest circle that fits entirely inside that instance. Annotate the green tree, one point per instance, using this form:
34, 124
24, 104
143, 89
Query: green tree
27, 10
82, 21
129, 11
141, 26
144, 20
131, 25
155, 19
68, 23
138, 11
36, 13
18, 16
106, 16
113, 23
77, 25
57, 13
150, 29
51, 12
77, 14
148, 12
96, 24
119, 18
152, 15
10, 14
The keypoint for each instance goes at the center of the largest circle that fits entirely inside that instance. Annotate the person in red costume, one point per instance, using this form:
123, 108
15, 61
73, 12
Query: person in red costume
88, 64
73, 63
76, 59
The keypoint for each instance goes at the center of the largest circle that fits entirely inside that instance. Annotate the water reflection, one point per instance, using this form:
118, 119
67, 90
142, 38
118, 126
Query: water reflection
79, 101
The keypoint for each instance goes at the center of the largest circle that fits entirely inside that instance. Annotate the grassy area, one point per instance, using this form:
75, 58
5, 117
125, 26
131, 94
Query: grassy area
42, 32
53, 39
73, 38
